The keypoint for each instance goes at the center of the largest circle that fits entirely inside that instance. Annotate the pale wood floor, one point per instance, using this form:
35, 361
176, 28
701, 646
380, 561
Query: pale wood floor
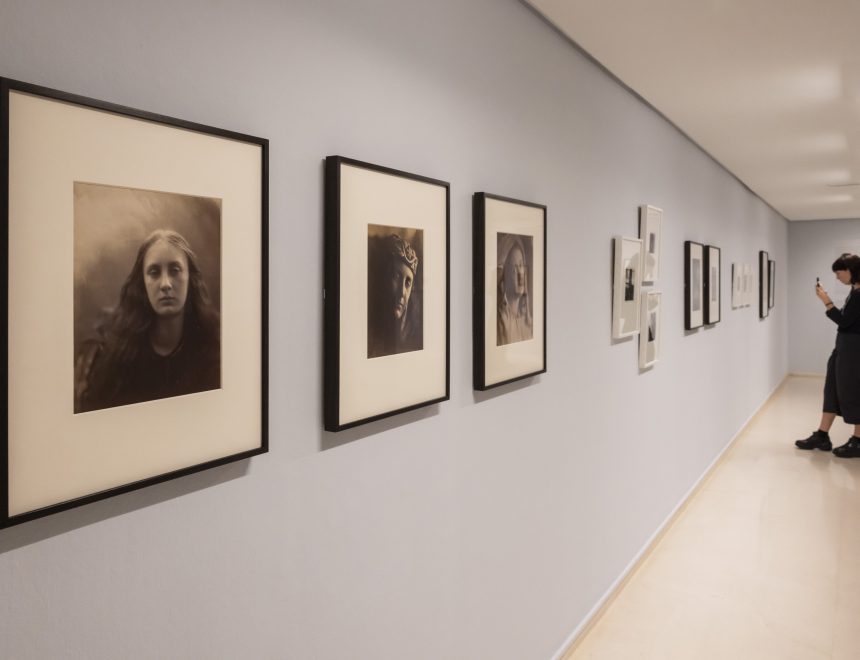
763, 563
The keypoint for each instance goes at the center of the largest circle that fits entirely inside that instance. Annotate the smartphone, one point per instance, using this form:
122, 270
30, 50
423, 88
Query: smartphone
817, 282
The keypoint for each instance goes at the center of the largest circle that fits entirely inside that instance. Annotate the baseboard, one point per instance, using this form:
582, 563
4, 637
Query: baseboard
573, 640
804, 374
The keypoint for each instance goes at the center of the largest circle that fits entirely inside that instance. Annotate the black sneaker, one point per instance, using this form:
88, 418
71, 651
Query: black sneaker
818, 440
850, 449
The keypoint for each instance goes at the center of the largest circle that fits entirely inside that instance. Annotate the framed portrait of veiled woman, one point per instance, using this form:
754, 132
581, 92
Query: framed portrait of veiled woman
134, 299
386, 292
509, 290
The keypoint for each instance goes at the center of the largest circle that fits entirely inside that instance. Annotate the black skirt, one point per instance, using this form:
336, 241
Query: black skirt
842, 385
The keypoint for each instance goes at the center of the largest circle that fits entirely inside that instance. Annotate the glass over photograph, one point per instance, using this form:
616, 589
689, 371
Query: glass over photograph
514, 300
394, 290
146, 295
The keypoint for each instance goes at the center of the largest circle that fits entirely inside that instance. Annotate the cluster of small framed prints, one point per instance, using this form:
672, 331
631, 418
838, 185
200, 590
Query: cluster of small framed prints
702, 295
387, 291
146, 357
637, 262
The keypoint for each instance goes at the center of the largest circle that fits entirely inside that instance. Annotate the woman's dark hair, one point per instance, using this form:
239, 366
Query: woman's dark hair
849, 262
129, 325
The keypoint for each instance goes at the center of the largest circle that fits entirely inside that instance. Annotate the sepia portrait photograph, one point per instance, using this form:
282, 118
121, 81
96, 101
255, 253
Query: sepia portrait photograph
147, 286
514, 298
394, 290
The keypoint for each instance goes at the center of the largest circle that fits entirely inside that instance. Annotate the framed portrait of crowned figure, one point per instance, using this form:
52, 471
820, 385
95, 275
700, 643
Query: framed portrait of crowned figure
712, 293
652, 326
139, 353
386, 292
763, 284
694, 289
626, 286
509, 289
650, 231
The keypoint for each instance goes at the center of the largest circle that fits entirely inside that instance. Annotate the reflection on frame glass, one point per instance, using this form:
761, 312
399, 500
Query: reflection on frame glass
386, 292
627, 282
140, 370
509, 304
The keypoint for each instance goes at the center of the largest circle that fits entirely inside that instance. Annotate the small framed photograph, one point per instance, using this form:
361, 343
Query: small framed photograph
771, 279
509, 304
627, 284
135, 275
712, 293
694, 290
649, 338
748, 285
650, 231
386, 292
737, 285
763, 284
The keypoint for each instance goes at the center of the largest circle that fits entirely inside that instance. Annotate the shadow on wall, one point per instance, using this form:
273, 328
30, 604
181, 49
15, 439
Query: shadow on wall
59, 523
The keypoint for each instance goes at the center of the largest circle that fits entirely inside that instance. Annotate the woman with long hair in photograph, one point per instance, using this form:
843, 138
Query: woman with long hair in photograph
842, 384
513, 311
163, 337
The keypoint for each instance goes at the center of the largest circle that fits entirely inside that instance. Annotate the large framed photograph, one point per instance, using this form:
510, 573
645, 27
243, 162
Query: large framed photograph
386, 292
763, 284
509, 305
627, 285
771, 279
712, 293
649, 337
650, 231
135, 283
694, 290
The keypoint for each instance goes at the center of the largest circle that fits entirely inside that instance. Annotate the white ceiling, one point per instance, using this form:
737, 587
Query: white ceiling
770, 88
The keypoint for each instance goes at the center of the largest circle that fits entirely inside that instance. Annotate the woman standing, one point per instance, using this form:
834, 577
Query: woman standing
842, 384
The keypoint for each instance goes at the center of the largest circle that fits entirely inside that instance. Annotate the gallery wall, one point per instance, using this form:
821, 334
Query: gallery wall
485, 527
813, 247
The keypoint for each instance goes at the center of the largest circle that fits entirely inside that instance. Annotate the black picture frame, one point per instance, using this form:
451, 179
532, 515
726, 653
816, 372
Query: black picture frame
508, 345
694, 297
771, 284
763, 284
367, 360
712, 280
95, 454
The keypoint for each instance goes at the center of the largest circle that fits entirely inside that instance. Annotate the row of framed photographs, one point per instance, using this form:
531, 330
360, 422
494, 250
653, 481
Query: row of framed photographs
635, 311
153, 362
387, 298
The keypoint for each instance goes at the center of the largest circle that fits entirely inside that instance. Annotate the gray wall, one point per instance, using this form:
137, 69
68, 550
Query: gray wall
485, 527
812, 248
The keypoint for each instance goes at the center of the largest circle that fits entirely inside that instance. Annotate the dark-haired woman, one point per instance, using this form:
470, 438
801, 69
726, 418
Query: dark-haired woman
163, 338
842, 385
